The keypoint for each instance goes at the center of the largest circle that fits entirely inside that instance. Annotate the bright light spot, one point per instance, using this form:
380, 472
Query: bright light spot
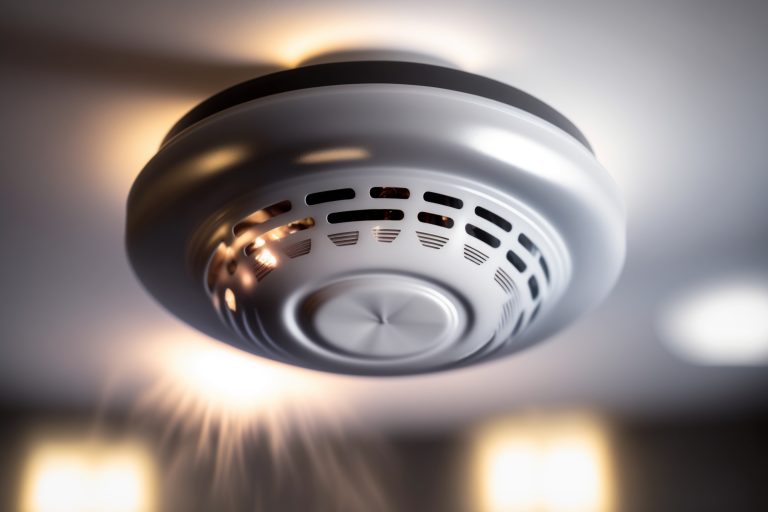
227, 378
719, 323
217, 159
265, 257
512, 462
229, 298
543, 465
221, 399
524, 153
202, 376
86, 476
283, 231
246, 280
333, 155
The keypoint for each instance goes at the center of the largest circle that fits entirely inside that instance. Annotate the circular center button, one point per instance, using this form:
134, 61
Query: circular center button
381, 316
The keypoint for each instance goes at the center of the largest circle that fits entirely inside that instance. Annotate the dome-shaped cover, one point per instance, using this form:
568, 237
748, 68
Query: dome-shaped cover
376, 218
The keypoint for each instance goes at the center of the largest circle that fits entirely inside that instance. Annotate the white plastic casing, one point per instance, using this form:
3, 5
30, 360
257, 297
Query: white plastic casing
211, 234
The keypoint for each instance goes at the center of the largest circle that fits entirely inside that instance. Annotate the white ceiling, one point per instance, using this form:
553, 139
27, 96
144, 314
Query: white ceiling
671, 95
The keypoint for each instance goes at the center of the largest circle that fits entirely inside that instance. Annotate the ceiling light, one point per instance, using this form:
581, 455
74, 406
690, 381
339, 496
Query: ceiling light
63, 475
554, 463
376, 217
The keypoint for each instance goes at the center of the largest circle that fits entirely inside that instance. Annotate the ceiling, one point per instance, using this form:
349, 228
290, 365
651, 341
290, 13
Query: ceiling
670, 95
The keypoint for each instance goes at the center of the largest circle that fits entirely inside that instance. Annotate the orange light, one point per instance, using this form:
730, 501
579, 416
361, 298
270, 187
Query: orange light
229, 298
265, 257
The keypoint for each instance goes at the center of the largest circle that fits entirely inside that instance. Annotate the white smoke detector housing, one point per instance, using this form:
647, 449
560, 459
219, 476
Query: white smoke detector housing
376, 218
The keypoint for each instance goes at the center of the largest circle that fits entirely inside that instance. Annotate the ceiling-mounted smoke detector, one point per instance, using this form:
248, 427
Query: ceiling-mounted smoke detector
376, 218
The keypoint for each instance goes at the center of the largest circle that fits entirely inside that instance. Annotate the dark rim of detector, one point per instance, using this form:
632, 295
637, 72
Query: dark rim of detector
374, 72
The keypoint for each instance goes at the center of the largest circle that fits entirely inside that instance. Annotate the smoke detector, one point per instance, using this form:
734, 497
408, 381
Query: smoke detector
376, 218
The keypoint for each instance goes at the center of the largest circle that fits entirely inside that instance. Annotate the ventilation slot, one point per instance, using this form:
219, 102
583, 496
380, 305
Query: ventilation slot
475, 256
431, 241
503, 280
434, 197
437, 220
507, 312
518, 324
533, 285
329, 196
493, 218
345, 238
390, 193
279, 233
215, 265
534, 313
483, 236
298, 249
261, 270
261, 216
516, 261
385, 235
528, 244
363, 215
544, 267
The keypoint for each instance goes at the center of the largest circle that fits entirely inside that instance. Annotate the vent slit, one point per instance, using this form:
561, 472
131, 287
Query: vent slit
528, 244
534, 313
431, 241
483, 236
518, 324
475, 256
504, 281
261, 216
493, 218
298, 249
390, 193
364, 215
533, 285
344, 238
385, 235
452, 202
516, 261
329, 196
437, 220
544, 267
262, 269
216, 265
279, 233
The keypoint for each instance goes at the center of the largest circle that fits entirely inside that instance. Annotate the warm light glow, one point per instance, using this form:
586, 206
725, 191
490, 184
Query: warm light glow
223, 398
296, 39
265, 257
88, 476
228, 378
333, 155
719, 323
539, 464
214, 160
283, 231
127, 146
229, 298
